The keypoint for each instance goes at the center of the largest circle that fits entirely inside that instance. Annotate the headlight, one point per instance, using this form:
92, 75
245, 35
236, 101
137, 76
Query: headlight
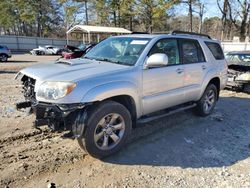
54, 90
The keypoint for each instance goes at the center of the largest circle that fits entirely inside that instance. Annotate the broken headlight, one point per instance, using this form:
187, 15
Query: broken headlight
54, 90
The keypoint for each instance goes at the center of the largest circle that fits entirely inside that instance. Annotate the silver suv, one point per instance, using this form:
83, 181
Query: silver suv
123, 81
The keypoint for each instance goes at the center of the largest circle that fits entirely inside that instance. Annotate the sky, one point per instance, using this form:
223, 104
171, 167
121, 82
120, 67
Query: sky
211, 9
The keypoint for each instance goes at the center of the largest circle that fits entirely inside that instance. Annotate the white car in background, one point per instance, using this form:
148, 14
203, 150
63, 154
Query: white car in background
46, 50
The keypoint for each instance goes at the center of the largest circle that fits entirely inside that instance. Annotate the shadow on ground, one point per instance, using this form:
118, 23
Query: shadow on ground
187, 141
8, 72
18, 61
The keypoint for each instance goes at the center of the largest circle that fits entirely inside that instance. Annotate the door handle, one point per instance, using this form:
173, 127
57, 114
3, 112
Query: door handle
204, 67
179, 71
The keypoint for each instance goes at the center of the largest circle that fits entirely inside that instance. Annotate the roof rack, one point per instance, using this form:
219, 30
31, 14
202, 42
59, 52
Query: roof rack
177, 32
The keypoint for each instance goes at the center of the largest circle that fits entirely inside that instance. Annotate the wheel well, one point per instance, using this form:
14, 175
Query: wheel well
216, 82
129, 103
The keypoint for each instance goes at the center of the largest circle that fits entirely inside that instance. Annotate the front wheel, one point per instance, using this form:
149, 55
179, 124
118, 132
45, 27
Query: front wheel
108, 127
208, 101
3, 57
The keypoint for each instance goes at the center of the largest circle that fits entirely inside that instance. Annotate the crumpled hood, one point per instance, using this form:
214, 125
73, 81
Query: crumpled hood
70, 70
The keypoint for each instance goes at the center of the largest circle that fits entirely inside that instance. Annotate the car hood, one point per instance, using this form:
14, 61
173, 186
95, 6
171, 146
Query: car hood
71, 70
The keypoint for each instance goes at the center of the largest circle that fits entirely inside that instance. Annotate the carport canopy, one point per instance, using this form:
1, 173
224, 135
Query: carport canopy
87, 29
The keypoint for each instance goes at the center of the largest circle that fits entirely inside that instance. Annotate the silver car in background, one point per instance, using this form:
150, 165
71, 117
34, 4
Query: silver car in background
46, 50
5, 53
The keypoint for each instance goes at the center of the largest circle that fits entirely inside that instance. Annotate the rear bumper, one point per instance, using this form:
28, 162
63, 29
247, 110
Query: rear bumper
59, 117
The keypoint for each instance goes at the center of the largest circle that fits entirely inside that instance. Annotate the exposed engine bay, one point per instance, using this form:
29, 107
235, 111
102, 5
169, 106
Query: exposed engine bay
239, 76
59, 117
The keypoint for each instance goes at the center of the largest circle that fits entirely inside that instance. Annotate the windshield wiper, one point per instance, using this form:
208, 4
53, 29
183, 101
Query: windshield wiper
108, 60
103, 59
88, 58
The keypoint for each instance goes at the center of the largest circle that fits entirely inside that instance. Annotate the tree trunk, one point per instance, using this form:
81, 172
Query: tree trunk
130, 19
119, 14
86, 12
224, 19
114, 13
201, 13
190, 14
131, 23
243, 26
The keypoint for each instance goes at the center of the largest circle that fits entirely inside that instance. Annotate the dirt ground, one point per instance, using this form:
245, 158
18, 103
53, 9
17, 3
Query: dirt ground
181, 150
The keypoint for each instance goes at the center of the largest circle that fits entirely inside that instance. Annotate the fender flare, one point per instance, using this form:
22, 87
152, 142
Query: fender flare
113, 89
208, 77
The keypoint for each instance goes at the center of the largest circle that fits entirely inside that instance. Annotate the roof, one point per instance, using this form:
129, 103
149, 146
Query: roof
149, 36
97, 29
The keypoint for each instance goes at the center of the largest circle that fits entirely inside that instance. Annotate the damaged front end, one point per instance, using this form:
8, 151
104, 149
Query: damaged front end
239, 77
59, 117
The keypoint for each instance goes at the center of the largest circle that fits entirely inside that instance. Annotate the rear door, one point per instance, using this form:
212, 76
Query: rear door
195, 68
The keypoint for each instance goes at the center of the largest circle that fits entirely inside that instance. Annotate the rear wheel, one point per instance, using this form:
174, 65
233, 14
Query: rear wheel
3, 57
108, 127
208, 101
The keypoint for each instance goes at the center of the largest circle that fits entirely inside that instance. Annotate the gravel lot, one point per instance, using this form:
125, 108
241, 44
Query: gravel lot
181, 150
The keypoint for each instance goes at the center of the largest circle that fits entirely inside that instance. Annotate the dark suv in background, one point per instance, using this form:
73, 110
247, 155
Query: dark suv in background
5, 53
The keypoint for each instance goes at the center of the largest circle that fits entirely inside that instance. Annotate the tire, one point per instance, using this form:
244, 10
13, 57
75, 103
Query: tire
102, 138
207, 102
246, 88
3, 57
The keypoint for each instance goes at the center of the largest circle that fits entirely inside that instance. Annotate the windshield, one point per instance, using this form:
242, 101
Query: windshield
120, 50
238, 57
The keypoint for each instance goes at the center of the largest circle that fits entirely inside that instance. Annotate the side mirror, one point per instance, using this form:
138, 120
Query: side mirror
157, 60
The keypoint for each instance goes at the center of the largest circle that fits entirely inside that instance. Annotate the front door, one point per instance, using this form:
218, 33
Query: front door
163, 86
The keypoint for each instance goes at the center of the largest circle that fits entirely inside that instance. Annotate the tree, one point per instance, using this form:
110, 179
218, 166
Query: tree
224, 12
237, 12
151, 12
85, 2
201, 10
190, 4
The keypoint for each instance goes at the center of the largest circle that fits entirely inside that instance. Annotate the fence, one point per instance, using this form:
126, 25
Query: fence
235, 46
22, 43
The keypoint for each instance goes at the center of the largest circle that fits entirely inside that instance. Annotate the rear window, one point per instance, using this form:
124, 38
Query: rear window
216, 50
191, 51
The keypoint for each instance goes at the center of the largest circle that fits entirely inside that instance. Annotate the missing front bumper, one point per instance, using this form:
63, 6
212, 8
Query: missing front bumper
59, 117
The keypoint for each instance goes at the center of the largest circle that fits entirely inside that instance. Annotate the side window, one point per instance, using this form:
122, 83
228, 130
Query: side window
191, 51
168, 47
216, 50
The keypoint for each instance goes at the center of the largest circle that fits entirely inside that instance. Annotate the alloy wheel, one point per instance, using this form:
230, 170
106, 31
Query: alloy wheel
209, 101
109, 131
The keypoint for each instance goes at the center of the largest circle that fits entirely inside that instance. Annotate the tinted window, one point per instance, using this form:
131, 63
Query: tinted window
216, 50
191, 51
168, 47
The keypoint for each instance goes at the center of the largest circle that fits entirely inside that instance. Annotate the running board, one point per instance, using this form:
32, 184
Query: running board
155, 117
